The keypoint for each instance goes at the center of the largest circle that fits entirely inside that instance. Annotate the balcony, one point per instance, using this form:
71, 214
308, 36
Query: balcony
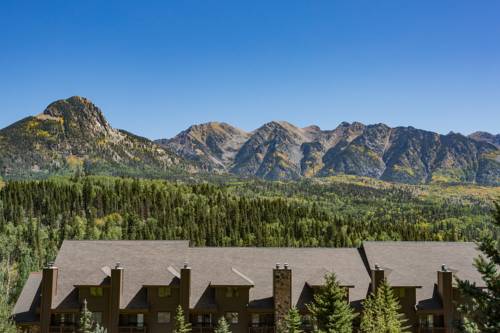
132, 329
431, 330
202, 329
261, 329
62, 329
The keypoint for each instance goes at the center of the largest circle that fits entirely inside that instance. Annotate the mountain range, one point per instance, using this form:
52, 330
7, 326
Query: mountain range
73, 133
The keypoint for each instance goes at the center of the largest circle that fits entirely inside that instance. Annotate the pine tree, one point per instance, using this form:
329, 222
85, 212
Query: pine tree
86, 320
482, 309
293, 322
222, 326
381, 312
180, 324
330, 308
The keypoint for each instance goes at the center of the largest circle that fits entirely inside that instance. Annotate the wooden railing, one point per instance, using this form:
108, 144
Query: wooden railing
261, 329
62, 329
431, 330
202, 329
132, 329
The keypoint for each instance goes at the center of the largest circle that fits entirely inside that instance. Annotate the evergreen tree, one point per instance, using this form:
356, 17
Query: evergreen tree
330, 308
381, 312
293, 322
482, 309
180, 324
86, 323
222, 326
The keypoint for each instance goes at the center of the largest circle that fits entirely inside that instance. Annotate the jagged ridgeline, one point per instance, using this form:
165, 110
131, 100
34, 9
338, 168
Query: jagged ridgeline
280, 150
72, 135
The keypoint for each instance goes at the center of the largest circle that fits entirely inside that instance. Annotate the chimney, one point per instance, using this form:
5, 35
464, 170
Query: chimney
377, 275
445, 290
115, 297
185, 289
49, 291
282, 292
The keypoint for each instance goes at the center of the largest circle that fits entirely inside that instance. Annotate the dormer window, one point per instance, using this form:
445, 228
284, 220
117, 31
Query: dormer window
232, 292
164, 292
96, 291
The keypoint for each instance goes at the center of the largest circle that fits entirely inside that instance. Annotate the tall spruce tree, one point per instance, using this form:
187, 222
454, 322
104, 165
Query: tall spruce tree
222, 326
330, 308
381, 312
180, 324
86, 324
292, 322
482, 309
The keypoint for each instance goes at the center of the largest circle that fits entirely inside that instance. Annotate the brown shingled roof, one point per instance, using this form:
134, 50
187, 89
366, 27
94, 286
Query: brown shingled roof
25, 308
416, 264
152, 262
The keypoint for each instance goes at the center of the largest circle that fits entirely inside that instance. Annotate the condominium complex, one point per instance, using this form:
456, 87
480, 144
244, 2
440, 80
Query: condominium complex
136, 286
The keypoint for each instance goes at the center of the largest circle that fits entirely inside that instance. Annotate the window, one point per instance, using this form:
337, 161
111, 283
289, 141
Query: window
63, 318
202, 319
163, 317
134, 320
140, 320
255, 319
400, 292
232, 317
427, 321
97, 316
232, 292
164, 292
96, 291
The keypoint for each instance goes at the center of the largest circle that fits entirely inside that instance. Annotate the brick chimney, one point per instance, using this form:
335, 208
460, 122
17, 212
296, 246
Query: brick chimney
185, 289
115, 297
377, 276
49, 291
445, 290
282, 292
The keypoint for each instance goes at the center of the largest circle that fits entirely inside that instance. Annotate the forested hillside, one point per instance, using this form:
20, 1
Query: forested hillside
36, 216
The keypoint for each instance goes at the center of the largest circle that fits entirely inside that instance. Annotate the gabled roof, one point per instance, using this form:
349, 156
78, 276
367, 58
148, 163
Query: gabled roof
415, 264
151, 263
25, 308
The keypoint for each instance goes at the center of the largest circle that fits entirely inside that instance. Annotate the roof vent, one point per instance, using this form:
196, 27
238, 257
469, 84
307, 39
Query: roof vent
50, 264
285, 265
186, 264
277, 265
444, 268
377, 267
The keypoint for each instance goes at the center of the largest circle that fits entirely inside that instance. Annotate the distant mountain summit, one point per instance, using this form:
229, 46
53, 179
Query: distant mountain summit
73, 134
279, 150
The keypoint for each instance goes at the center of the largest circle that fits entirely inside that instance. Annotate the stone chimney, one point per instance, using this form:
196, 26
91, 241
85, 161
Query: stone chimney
185, 288
445, 290
282, 292
377, 276
49, 291
115, 297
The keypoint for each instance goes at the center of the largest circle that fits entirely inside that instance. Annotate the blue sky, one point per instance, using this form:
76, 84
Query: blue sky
156, 67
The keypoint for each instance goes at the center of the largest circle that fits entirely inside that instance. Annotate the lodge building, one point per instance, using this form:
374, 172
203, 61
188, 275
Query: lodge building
135, 286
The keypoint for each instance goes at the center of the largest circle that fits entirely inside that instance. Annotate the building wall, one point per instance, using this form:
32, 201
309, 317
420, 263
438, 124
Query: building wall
162, 304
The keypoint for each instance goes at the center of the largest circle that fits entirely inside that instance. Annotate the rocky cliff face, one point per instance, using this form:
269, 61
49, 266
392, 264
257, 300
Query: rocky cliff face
280, 150
71, 134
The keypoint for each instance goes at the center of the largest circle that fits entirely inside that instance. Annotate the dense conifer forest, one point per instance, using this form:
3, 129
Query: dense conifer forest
36, 216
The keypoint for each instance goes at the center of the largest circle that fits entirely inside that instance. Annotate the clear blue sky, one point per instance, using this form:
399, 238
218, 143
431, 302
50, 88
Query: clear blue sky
156, 67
